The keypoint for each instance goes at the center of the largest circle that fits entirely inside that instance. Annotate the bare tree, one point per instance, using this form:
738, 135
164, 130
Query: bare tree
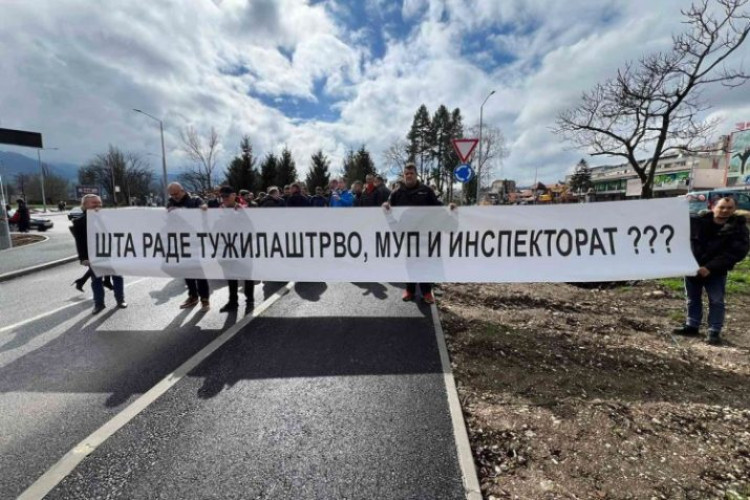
201, 176
397, 153
656, 104
115, 168
494, 150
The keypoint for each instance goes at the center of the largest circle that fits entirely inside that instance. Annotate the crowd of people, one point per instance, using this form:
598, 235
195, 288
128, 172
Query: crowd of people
371, 193
719, 240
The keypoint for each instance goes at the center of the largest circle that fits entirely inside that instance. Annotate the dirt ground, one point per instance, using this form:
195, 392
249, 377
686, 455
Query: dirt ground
21, 239
577, 393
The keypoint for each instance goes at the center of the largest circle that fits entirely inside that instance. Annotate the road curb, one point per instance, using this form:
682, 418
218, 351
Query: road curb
40, 267
460, 434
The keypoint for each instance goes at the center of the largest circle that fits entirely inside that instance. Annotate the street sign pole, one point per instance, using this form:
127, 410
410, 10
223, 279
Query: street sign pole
5, 240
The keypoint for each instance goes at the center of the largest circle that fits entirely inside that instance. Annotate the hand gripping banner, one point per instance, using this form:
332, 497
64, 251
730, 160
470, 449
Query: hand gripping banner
607, 241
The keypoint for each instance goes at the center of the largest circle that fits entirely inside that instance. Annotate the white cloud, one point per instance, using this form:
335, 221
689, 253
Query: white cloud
73, 69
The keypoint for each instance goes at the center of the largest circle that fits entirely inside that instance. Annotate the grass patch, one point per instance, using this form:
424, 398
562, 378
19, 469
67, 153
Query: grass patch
738, 280
673, 284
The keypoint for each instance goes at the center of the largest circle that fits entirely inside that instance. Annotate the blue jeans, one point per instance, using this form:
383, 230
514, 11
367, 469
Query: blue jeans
97, 287
715, 286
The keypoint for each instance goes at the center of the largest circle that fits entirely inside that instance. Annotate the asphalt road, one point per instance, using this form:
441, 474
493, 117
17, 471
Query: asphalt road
59, 244
335, 391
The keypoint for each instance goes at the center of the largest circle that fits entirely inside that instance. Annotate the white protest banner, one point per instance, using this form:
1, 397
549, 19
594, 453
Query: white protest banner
585, 242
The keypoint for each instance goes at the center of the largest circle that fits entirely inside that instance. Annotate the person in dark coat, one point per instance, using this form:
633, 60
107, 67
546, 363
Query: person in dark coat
296, 198
229, 200
273, 199
80, 233
24, 217
719, 240
197, 288
414, 194
318, 200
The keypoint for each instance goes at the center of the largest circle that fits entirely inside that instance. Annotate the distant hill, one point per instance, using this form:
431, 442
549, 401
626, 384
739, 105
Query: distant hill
15, 163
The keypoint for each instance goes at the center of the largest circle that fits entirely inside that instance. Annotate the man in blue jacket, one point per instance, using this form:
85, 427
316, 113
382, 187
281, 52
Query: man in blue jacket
719, 240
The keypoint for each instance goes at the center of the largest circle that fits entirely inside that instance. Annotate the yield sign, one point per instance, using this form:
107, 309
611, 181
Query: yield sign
464, 148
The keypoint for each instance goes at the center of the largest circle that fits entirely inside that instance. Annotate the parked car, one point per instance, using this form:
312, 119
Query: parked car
36, 222
75, 213
700, 201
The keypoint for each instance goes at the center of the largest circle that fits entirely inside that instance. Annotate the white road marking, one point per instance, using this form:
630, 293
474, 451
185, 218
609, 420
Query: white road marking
61, 308
55, 474
463, 448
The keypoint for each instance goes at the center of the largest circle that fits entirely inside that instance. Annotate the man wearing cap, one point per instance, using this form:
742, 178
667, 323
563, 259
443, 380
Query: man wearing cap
229, 201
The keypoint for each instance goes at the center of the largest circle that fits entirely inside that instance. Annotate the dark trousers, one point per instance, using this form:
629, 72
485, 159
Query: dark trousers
249, 289
715, 286
197, 288
423, 287
97, 286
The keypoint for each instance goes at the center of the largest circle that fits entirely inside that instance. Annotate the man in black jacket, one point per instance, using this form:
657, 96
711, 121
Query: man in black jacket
93, 202
197, 288
719, 240
414, 194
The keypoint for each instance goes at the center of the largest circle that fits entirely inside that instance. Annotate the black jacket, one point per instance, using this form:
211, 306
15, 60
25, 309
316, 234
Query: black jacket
79, 233
417, 196
186, 201
297, 200
718, 248
271, 202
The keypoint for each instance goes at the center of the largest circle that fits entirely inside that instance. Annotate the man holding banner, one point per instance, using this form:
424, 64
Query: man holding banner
80, 233
414, 194
197, 288
719, 240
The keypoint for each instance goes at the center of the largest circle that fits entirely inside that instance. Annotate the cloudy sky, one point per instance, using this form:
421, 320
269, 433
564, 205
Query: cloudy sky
310, 75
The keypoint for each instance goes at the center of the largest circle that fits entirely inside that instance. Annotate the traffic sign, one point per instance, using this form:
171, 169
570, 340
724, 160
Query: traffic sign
463, 173
464, 148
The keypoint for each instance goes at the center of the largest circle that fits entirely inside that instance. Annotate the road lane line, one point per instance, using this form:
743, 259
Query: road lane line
463, 447
55, 474
61, 308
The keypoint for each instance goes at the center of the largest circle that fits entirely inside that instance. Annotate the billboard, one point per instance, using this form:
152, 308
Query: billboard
82, 190
738, 172
20, 138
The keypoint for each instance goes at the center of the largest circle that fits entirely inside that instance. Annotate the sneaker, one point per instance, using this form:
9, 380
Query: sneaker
97, 309
189, 302
229, 306
428, 298
205, 305
122, 305
713, 338
686, 330
407, 296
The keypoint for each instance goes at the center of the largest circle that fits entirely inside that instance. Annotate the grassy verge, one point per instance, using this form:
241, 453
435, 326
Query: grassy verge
738, 280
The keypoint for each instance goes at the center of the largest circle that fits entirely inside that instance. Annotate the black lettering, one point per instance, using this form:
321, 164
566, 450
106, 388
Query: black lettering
564, 233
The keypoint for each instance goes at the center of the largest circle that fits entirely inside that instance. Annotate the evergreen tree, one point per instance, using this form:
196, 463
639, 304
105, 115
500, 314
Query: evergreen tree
358, 165
268, 171
286, 169
420, 139
443, 132
580, 181
318, 175
241, 173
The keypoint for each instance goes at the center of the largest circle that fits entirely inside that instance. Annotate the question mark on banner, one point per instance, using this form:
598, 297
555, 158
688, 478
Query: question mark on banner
637, 237
652, 230
669, 238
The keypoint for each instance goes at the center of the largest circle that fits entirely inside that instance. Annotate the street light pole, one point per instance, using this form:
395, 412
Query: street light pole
479, 154
41, 170
163, 151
